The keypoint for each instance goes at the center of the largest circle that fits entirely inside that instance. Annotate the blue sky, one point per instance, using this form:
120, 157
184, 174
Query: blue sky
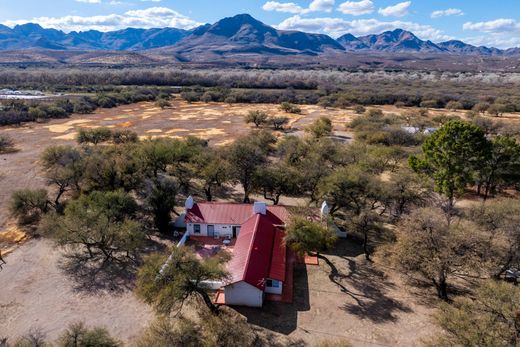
493, 23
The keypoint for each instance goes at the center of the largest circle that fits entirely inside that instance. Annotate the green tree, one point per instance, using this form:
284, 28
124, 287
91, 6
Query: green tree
322, 127
290, 108
305, 236
501, 220
29, 205
160, 200
168, 332
94, 136
246, 157
78, 335
502, 166
64, 169
124, 137
257, 117
213, 171
490, 318
98, 226
167, 282
276, 180
279, 122
111, 168
434, 246
451, 156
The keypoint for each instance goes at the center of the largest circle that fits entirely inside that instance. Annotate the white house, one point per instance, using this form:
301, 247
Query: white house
258, 266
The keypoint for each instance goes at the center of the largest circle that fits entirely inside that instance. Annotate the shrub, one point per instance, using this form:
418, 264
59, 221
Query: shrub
163, 103
28, 205
257, 117
360, 109
94, 136
6, 144
454, 105
290, 108
77, 335
124, 136
279, 122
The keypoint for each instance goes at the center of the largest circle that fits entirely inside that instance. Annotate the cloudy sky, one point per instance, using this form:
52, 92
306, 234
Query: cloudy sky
481, 22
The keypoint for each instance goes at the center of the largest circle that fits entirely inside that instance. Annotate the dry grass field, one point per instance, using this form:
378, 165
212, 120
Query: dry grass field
343, 298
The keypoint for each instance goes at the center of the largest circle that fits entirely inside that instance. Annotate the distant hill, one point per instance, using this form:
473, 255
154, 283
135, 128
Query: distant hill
240, 36
33, 36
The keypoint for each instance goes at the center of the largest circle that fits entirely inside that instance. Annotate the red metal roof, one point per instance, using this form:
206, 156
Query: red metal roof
256, 255
234, 214
278, 258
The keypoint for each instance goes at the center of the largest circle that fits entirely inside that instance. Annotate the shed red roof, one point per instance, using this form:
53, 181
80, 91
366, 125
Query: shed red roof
258, 253
234, 214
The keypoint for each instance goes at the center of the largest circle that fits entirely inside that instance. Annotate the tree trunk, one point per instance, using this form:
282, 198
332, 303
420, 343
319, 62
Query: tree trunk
365, 246
209, 196
442, 287
207, 300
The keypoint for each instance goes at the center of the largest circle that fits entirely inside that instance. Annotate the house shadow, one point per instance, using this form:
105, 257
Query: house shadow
282, 317
367, 286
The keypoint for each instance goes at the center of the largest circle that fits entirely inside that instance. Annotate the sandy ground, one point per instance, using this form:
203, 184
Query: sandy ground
37, 294
350, 300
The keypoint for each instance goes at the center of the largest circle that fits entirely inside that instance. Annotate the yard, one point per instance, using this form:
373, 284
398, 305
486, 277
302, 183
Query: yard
343, 297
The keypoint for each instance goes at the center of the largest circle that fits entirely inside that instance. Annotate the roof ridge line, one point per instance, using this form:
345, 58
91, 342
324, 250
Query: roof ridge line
257, 222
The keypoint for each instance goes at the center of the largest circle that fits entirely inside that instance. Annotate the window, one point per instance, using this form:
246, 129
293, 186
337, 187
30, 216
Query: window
196, 228
272, 284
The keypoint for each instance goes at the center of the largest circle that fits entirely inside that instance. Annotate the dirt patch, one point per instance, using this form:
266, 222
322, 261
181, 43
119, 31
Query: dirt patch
36, 294
349, 299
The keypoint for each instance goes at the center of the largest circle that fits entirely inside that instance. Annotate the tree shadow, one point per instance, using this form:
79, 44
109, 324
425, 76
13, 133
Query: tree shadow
364, 283
97, 276
282, 317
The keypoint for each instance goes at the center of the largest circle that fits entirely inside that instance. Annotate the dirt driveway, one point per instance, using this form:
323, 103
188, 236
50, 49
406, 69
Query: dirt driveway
347, 298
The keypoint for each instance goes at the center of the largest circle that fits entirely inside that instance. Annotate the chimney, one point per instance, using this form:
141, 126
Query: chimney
189, 203
325, 210
260, 208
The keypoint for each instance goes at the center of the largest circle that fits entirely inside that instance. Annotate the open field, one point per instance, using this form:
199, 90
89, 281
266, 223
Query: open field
217, 122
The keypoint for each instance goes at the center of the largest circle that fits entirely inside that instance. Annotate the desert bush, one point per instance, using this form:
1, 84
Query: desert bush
6, 144
290, 108
29, 205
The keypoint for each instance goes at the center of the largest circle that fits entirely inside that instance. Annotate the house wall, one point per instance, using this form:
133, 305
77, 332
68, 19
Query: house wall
275, 290
243, 294
222, 229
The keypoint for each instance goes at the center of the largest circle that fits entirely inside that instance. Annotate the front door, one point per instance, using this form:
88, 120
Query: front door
236, 231
211, 230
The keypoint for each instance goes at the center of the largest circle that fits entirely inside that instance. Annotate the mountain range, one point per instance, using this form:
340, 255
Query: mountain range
241, 34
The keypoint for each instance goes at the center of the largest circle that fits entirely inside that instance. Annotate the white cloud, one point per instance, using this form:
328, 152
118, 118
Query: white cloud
89, 1
288, 7
397, 10
446, 13
321, 6
338, 26
500, 33
500, 25
154, 17
291, 7
357, 8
